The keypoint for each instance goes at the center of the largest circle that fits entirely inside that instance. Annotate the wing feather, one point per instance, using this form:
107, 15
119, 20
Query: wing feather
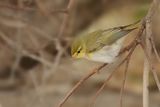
98, 39
103, 38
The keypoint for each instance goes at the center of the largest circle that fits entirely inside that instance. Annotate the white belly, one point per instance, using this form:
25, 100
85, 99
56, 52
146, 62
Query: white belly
108, 53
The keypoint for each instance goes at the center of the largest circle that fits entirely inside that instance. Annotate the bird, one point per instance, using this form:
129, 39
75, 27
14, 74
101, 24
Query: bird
102, 45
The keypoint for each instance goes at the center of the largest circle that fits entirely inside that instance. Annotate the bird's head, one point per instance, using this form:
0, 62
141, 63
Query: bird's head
78, 49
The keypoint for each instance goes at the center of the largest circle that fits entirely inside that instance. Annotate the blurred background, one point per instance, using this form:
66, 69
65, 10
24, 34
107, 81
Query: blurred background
36, 69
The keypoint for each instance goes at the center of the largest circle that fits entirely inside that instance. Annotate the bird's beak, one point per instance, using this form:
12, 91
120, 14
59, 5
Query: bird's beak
78, 56
74, 55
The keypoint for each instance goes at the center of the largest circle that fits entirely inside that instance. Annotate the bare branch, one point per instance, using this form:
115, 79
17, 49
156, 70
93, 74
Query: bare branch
108, 78
124, 80
80, 82
66, 18
136, 39
16, 8
148, 50
154, 49
152, 68
24, 52
145, 84
29, 9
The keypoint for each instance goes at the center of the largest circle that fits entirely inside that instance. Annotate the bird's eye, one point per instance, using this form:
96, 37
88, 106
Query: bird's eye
78, 51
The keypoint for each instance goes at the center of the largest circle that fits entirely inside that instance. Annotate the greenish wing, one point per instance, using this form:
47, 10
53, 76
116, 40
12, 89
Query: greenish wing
102, 38
98, 39
116, 34
94, 40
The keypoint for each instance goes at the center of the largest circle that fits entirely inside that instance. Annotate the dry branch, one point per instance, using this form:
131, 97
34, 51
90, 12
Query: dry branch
30, 9
66, 18
13, 45
80, 82
126, 59
148, 47
151, 66
124, 79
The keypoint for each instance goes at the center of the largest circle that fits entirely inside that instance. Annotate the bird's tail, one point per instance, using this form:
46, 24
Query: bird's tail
121, 31
130, 26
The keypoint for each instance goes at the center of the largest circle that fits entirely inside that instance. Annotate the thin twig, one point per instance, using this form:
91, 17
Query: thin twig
124, 80
154, 49
66, 18
53, 69
152, 68
100, 89
16, 8
18, 46
46, 11
80, 82
148, 46
145, 84
23, 51
36, 85
62, 30
29, 9
42, 8
135, 40
108, 78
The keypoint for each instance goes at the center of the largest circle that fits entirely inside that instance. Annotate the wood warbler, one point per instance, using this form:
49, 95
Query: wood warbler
101, 45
